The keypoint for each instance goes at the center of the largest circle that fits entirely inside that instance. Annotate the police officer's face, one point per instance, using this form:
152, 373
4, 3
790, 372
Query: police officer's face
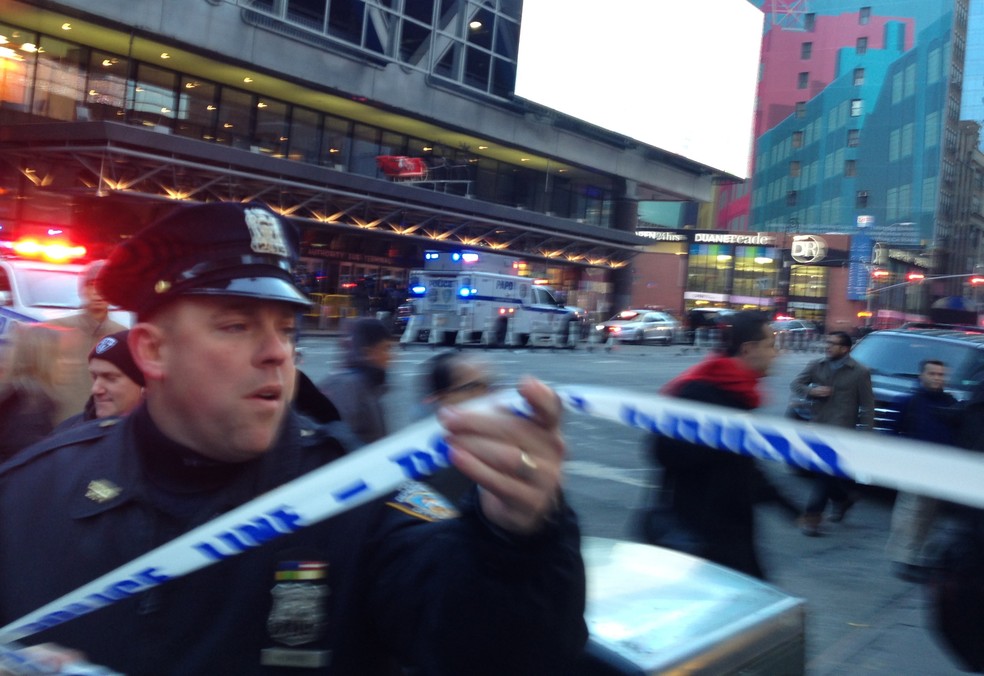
113, 393
223, 374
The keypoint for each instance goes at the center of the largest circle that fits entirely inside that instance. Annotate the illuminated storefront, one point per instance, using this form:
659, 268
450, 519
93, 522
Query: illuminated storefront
804, 276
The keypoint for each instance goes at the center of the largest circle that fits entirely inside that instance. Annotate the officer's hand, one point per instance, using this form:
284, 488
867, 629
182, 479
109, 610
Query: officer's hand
515, 461
44, 658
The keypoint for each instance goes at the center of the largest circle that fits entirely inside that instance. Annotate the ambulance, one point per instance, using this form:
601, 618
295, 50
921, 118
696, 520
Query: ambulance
466, 297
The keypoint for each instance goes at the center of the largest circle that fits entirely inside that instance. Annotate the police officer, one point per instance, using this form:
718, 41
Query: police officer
386, 586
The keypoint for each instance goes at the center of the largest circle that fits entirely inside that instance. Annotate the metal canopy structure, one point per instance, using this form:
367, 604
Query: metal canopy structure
108, 159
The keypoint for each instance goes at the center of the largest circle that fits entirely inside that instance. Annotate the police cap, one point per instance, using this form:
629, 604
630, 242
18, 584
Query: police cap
215, 249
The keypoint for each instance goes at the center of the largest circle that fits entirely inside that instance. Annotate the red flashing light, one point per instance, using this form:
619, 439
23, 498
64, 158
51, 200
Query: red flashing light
915, 277
880, 274
977, 280
54, 252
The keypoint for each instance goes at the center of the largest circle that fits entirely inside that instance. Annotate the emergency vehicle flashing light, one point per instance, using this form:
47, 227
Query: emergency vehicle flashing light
54, 252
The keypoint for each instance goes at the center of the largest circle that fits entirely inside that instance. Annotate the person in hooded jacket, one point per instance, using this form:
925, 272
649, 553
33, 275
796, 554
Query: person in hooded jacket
705, 503
357, 390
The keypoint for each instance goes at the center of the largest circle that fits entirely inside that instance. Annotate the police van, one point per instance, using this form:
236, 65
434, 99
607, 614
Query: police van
468, 297
37, 286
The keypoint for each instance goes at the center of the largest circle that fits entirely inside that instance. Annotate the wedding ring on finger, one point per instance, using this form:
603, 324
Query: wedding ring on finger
527, 465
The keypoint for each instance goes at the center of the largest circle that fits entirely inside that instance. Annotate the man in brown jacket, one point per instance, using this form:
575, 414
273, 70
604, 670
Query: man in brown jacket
86, 328
840, 389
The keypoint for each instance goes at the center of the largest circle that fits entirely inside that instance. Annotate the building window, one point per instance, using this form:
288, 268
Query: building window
809, 21
791, 198
850, 168
864, 15
858, 77
806, 50
861, 46
853, 138
802, 80
801, 109
797, 139
861, 201
857, 107
794, 169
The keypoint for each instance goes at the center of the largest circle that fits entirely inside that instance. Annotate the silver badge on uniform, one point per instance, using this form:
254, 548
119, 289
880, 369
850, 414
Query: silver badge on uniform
298, 613
265, 232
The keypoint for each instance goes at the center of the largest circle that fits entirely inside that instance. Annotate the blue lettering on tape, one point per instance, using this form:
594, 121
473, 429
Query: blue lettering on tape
142, 580
350, 491
418, 463
730, 436
260, 530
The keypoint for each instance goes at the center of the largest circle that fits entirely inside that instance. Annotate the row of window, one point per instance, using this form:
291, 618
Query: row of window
860, 199
810, 19
65, 81
474, 44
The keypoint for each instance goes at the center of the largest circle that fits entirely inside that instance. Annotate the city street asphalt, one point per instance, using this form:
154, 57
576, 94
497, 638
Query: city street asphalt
860, 618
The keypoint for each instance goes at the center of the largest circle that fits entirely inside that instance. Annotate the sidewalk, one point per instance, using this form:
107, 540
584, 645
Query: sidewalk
860, 618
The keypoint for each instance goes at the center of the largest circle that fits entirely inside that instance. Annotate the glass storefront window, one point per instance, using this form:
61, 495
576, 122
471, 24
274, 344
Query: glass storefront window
106, 95
304, 144
709, 268
365, 147
337, 144
235, 114
197, 109
59, 88
755, 275
808, 282
153, 101
16, 69
270, 135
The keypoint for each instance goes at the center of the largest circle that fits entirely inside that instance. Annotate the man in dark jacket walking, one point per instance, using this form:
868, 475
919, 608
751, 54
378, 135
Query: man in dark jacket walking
705, 504
357, 390
840, 389
929, 414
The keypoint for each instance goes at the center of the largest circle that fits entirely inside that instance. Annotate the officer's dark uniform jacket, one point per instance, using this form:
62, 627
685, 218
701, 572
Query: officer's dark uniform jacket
445, 596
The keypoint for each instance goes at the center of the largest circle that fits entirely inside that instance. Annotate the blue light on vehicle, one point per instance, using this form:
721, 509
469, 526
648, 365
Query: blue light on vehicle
431, 256
456, 256
418, 290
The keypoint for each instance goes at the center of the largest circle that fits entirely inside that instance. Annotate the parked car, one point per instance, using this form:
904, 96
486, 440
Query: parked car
794, 333
794, 326
894, 355
640, 325
700, 321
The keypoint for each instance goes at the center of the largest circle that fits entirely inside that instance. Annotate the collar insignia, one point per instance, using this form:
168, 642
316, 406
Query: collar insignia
102, 490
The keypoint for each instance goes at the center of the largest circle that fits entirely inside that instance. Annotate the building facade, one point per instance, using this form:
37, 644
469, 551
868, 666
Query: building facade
858, 132
381, 130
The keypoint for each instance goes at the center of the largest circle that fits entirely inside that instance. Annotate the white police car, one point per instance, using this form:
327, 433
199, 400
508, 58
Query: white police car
33, 288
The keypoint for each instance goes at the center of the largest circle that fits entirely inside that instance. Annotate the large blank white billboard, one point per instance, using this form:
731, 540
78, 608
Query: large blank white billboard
679, 75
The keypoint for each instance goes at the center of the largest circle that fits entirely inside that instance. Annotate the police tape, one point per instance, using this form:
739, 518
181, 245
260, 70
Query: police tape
420, 450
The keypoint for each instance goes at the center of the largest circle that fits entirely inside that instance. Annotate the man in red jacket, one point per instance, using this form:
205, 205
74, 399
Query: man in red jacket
705, 503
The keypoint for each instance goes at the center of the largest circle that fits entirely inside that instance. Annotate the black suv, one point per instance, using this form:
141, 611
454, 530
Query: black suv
894, 355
